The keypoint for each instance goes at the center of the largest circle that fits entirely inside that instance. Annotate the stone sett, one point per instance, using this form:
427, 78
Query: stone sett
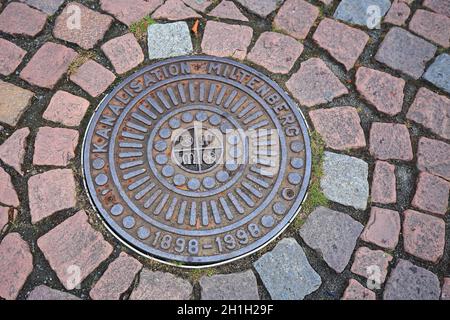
340, 127
272, 44
383, 228
286, 272
439, 6
117, 279
445, 295
383, 91
92, 28
50, 192
366, 261
261, 7
8, 196
439, 72
157, 285
344, 43
315, 84
356, 11
13, 102
197, 5
432, 111
48, 65
93, 78
16, 264
398, 13
55, 146
12, 151
44, 293
11, 56
169, 40
432, 26
356, 291
432, 194
19, 19
74, 243
410, 282
129, 12
423, 236
228, 10
333, 235
47, 6
175, 10
384, 186
345, 180
296, 17
234, 286
226, 40
124, 52
390, 141
66, 109
405, 52
433, 156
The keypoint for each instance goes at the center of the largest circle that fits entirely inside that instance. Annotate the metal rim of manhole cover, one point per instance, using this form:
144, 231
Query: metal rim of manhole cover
197, 161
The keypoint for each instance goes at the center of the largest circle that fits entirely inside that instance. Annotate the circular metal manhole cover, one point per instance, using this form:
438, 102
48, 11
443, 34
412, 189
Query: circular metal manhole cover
197, 160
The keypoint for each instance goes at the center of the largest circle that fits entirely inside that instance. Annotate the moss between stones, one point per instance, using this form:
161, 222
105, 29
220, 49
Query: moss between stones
83, 57
315, 196
139, 28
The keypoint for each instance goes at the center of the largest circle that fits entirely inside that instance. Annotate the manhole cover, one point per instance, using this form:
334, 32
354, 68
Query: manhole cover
197, 160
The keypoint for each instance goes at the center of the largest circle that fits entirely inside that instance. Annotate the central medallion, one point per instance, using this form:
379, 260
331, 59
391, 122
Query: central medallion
197, 160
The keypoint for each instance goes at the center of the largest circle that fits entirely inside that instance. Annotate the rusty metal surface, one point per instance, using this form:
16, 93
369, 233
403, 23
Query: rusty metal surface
197, 160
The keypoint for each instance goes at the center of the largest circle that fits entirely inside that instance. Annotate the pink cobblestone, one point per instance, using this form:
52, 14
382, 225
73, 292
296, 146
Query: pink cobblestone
66, 108
432, 111
74, 243
433, 156
315, 84
50, 192
48, 65
432, 26
55, 146
366, 260
423, 236
12, 151
16, 264
11, 56
272, 44
124, 52
93, 78
381, 89
431, 194
384, 187
226, 40
13, 102
383, 228
340, 127
174, 10
355, 291
117, 278
228, 10
390, 141
20, 19
88, 33
129, 12
344, 43
8, 196
398, 13
296, 17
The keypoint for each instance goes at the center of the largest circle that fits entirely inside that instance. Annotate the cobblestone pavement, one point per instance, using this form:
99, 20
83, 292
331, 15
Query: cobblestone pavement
379, 98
